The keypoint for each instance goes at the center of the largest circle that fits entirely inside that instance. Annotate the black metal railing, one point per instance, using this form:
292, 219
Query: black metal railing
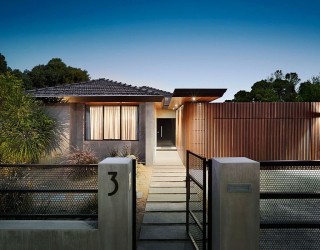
197, 203
290, 205
48, 191
134, 204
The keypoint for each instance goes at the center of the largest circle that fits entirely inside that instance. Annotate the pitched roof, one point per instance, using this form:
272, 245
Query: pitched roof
158, 91
98, 88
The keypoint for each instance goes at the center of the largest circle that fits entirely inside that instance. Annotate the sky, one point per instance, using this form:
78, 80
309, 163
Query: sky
166, 44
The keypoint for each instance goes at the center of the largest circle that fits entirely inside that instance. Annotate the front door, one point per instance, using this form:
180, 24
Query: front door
166, 132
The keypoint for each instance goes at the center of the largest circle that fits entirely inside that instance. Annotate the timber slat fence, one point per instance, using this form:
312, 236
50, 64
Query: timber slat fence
258, 131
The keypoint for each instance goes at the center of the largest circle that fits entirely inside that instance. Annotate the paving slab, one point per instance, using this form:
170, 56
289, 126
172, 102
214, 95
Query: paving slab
194, 198
166, 197
163, 190
169, 167
173, 179
169, 170
166, 174
161, 206
168, 184
164, 218
167, 158
165, 245
163, 232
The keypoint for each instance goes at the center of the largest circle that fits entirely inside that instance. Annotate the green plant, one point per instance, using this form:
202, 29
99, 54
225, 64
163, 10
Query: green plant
27, 132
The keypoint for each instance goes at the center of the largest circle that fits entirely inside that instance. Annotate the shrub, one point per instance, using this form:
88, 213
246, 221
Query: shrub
124, 152
114, 152
78, 157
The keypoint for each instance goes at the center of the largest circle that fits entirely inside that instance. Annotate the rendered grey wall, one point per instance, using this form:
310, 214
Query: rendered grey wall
49, 239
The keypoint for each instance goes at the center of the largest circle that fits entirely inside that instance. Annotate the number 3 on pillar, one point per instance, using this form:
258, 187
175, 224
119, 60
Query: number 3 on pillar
116, 185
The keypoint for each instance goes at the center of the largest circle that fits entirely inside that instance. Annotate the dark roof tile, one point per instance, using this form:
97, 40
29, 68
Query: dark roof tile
158, 91
99, 87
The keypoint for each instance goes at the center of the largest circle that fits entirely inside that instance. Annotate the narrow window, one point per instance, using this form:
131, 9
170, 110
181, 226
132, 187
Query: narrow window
96, 123
111, 123
129, 122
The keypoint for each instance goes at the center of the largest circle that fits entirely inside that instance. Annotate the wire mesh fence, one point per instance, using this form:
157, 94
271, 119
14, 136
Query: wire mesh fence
197, 200
48, 191
290, 205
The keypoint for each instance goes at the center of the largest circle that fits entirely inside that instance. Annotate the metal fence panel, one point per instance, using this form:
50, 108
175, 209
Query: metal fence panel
290, 205
48, 191
197, 200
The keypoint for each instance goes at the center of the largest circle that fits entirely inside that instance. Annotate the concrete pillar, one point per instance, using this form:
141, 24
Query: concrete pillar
115, 203
235, 204
76, 125
150, 133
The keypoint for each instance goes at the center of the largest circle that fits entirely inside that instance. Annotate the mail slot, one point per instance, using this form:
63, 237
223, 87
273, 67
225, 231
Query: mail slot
239, 188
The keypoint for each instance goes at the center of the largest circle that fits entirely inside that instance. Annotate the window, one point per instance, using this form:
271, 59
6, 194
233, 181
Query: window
112, 123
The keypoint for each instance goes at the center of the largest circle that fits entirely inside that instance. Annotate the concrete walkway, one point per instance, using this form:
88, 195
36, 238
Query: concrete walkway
163, 225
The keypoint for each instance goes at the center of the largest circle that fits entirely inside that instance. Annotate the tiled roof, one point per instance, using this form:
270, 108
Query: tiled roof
99, 87
158, 91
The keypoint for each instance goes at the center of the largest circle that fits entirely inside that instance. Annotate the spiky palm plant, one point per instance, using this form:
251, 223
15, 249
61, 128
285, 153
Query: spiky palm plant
26, 130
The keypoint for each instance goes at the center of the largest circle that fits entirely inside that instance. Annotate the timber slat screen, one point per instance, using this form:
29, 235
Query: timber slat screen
48, 191
259, 131
196, 197
290, 205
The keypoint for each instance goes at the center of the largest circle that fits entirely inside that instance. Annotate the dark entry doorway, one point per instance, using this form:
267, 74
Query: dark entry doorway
166, 132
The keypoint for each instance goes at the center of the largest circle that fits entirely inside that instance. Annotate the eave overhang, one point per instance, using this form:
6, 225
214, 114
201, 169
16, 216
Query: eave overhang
181, 96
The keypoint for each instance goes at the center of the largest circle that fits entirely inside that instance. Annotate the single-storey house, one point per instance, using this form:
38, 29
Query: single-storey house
106, 115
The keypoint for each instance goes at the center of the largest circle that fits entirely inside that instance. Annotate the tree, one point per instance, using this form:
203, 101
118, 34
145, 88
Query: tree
23, 76
243, 96
3, 64
276, 88
285, 90
263, 91
293, 78
56, 72
309, 91
26, 131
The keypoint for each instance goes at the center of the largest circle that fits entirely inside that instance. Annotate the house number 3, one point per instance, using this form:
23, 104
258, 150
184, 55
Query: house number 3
116, 185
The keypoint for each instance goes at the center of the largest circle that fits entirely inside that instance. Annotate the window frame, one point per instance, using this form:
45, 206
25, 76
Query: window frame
87, 106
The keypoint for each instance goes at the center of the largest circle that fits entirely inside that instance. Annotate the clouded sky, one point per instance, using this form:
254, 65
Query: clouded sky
166, 44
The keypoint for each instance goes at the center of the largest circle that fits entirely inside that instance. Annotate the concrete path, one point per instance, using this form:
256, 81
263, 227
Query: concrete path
163, 225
